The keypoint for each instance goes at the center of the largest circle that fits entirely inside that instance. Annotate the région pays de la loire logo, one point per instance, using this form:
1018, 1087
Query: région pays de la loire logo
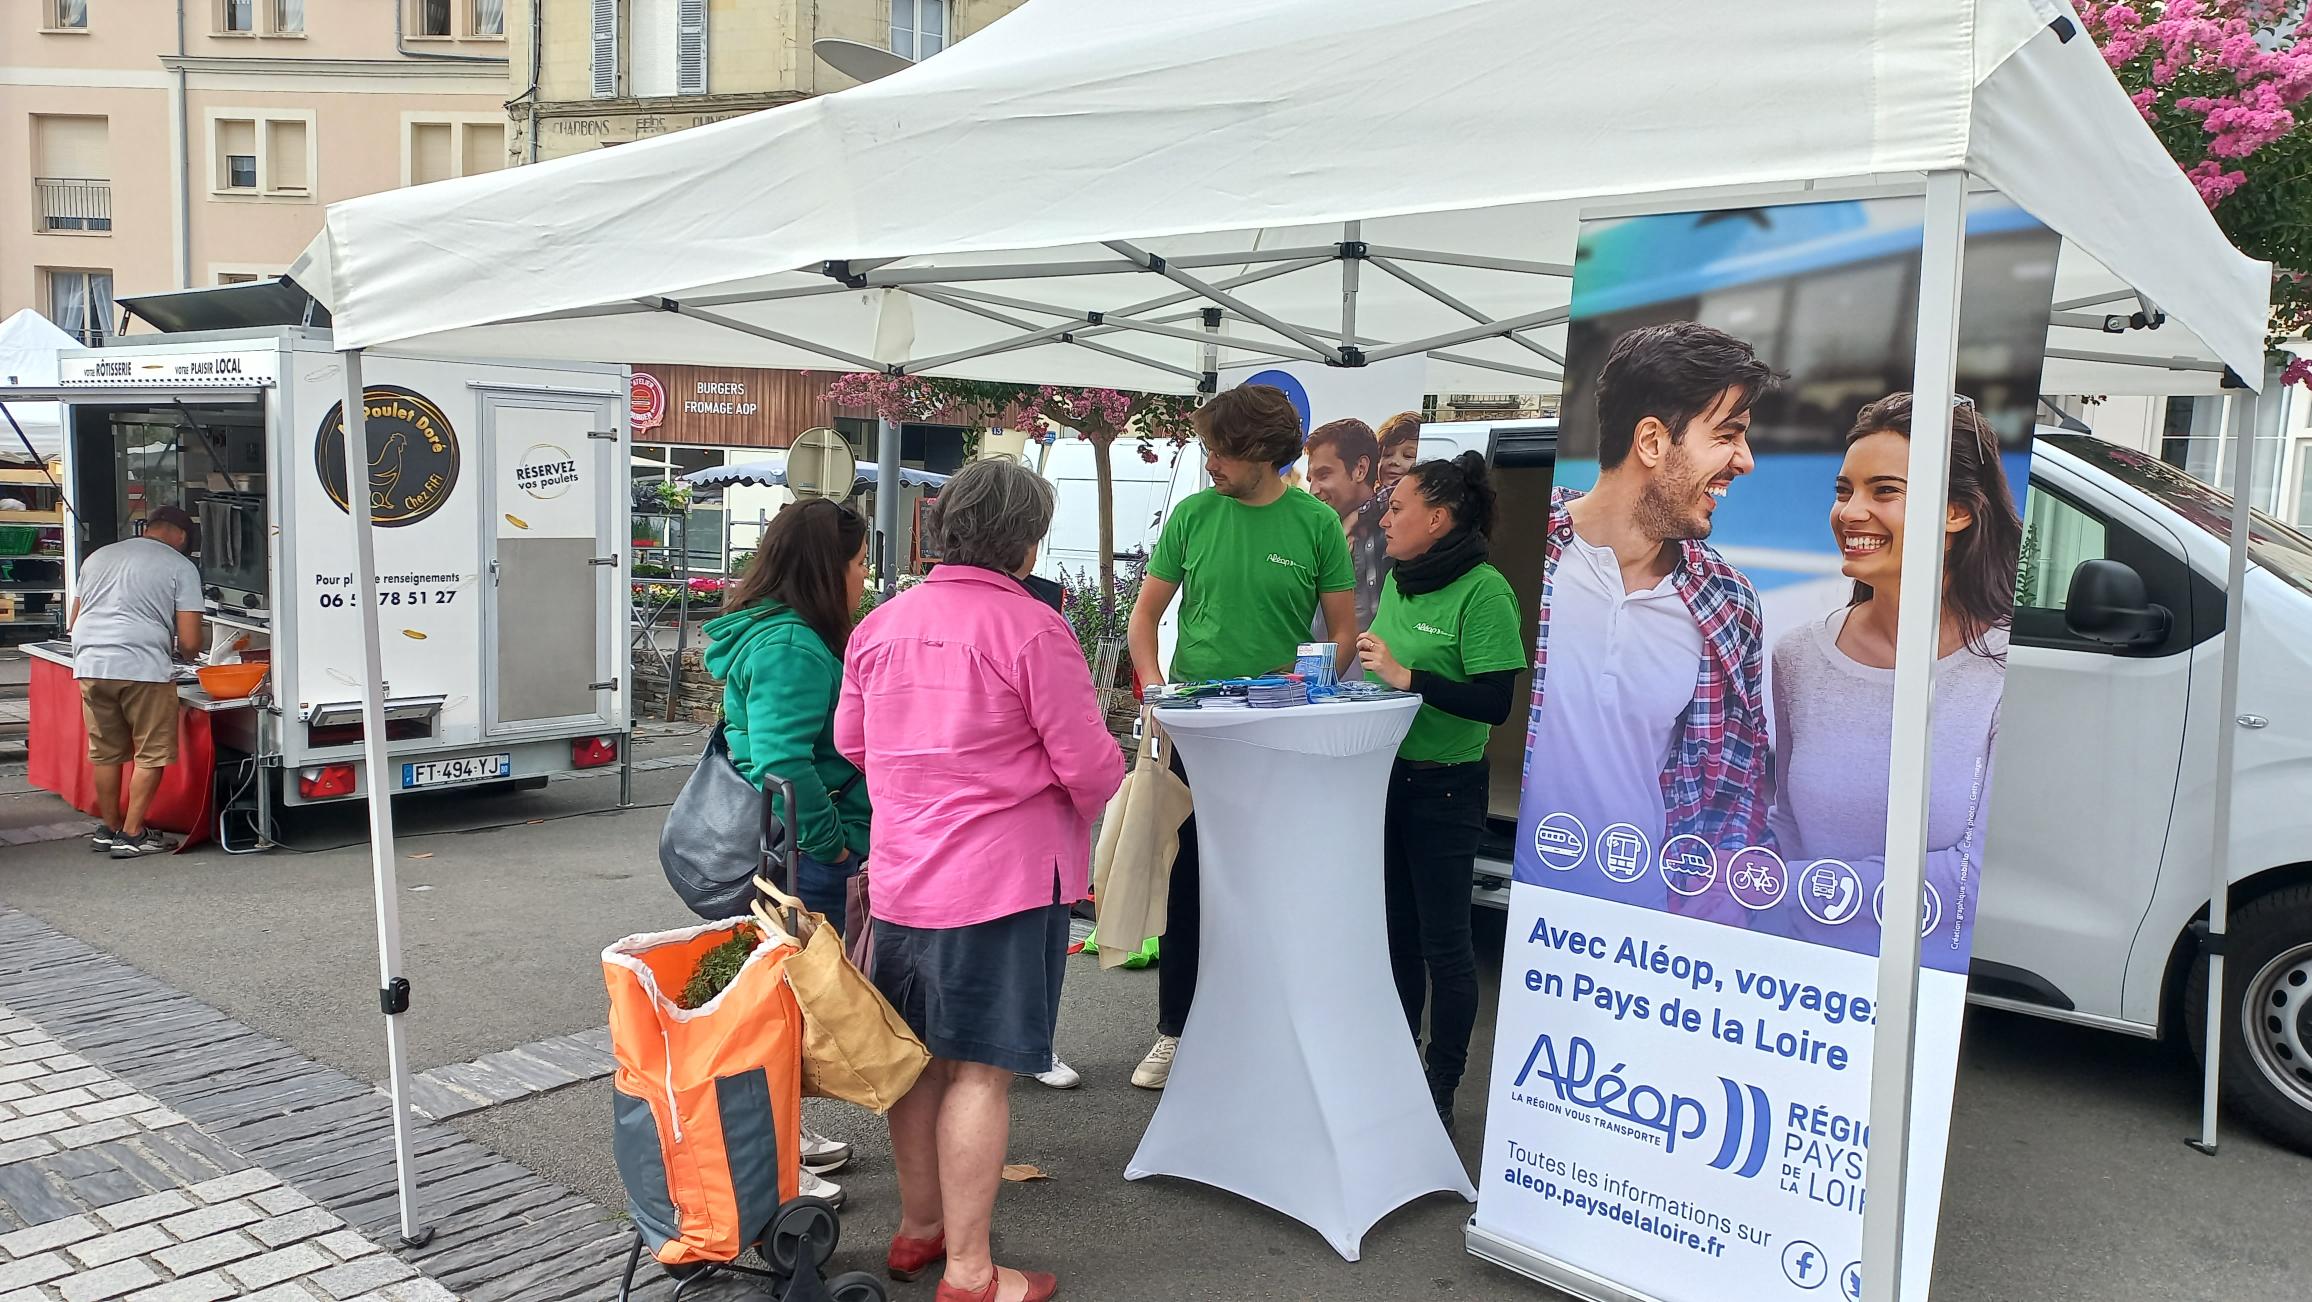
413, 455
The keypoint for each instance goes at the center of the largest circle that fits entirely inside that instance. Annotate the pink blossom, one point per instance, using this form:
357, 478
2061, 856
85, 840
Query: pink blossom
2298, 371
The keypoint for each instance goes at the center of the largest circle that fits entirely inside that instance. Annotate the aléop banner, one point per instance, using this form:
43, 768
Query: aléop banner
1682, 1073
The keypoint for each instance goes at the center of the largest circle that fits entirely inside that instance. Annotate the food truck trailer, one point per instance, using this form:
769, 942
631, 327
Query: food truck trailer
500, 498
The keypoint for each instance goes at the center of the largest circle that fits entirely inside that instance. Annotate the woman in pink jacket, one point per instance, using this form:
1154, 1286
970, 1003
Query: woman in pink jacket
967, 703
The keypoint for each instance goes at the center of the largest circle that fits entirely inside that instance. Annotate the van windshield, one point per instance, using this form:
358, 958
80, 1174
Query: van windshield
2281, 550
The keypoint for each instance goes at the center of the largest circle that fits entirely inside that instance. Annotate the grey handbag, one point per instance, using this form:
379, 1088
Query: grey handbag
716, 836
721, 831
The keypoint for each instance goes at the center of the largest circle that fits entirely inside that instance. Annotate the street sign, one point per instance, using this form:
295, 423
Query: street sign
821, 464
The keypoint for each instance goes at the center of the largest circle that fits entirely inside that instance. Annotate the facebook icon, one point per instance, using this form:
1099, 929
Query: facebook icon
1803, 1265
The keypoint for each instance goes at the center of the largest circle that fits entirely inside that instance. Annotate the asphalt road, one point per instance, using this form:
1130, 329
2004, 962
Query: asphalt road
2067, 1180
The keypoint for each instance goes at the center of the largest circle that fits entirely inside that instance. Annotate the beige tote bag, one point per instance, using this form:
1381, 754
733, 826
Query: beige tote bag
855, 1045
1139, 837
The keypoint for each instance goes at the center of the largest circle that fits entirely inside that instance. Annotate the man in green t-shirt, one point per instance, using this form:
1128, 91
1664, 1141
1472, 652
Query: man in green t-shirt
1256, 560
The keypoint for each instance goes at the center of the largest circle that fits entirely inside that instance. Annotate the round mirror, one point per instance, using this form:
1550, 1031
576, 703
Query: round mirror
821, 464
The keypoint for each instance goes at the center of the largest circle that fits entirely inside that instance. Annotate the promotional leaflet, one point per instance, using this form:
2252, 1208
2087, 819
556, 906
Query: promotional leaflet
1681, 1083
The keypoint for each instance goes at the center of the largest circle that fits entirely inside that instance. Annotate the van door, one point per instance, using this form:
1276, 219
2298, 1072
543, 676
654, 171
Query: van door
548, 598
2090, 747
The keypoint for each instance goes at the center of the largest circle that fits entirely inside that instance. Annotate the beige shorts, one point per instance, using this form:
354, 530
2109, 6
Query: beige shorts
129, 721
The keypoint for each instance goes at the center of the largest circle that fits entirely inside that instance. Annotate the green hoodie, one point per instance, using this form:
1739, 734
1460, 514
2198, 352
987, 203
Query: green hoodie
780, 685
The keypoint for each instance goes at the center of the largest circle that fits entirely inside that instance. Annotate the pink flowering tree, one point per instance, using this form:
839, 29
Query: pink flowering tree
1101, 417
2223, 85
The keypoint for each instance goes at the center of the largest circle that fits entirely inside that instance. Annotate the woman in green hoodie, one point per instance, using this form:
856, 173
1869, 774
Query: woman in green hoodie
779, 653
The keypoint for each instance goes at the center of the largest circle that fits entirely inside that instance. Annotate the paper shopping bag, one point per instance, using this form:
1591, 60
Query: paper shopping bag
856, 1047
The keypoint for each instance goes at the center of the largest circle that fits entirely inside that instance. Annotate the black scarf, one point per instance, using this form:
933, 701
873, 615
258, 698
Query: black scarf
1452, 556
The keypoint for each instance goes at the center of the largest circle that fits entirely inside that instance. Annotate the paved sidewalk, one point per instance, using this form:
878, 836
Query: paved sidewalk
106, 1193
153, 1149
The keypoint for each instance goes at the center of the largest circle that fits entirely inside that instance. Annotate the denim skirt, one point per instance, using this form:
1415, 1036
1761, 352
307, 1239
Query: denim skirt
987, 993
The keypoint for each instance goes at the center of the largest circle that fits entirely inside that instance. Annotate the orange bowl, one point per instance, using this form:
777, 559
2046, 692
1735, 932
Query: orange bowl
231, 682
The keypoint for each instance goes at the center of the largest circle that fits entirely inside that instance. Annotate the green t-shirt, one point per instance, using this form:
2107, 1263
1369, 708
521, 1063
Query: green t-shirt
1466, 628
1250, 577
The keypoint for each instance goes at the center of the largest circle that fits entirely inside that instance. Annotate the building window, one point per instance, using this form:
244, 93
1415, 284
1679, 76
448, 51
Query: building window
489, 17
71, 167
442, 151
431, 18
80, 303
605, 58
919, 28
237, 154
236, 278
289, 17
288, 167
262, 154
690, 47
237, 17
66, 15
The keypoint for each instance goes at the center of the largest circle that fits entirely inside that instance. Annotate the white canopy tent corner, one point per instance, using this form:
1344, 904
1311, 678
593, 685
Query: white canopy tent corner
1184, 179
28, 347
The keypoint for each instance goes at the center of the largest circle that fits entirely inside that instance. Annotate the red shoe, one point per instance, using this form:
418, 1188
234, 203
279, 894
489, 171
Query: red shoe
1041, 1288
909, 1258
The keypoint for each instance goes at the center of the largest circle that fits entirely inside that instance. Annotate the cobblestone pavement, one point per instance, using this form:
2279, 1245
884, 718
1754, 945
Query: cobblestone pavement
153, 1149
105, 1193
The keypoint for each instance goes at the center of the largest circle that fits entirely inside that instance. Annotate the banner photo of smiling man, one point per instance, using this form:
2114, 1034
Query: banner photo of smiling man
1682, 1069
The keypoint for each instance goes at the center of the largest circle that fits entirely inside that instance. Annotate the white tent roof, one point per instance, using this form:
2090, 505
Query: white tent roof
1460, 139
28, 345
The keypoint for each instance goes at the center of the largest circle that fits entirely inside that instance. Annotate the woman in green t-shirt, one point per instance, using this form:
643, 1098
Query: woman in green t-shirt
1447, 630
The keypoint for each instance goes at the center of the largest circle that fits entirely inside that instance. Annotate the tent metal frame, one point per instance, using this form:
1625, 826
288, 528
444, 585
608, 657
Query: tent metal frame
1211, 303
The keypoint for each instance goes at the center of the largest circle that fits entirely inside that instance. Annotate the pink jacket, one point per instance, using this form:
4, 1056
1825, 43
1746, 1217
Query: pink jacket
968, 705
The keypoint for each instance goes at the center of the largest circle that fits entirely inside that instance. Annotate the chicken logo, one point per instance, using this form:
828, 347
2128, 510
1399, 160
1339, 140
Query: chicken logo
413, 455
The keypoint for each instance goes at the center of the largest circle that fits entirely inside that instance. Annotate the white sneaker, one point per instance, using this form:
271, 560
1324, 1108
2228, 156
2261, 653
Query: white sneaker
814, 1187
1156, 1068
1060, 1077
822, 1155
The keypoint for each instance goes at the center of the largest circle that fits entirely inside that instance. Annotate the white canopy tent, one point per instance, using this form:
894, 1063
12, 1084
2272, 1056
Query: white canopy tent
28, 347
1117, 192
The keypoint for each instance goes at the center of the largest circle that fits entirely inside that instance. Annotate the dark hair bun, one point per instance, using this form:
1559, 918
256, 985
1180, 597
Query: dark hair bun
1463, 486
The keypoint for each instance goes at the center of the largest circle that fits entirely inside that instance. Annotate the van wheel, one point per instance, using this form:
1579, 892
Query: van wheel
2267, 1043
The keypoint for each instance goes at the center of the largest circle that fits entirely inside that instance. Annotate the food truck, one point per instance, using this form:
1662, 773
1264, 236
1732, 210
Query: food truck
500, 498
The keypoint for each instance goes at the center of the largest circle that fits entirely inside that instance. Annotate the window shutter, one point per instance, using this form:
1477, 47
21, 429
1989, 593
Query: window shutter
690, 47
605, 49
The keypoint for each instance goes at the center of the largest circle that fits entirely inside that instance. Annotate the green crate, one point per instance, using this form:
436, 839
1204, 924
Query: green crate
18, 539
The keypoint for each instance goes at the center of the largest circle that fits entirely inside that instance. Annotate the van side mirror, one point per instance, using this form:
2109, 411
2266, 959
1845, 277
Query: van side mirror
2108, 604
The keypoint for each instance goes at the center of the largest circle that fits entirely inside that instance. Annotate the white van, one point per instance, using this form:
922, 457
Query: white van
2095, 896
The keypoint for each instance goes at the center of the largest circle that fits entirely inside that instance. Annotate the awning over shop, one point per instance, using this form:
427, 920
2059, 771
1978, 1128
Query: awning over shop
773, 474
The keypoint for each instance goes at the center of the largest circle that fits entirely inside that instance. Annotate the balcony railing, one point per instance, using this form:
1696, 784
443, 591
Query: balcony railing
73, 204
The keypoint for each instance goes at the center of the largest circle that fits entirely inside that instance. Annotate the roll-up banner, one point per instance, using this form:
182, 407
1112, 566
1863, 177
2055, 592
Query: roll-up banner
1681, 1082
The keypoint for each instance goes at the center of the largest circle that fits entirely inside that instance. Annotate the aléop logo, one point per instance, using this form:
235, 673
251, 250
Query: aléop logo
1644, 1112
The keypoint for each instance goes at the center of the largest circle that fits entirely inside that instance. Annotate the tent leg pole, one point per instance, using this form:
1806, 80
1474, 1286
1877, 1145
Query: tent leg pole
2244, 411
392, 987
1350, 267
1918, 635
887, 500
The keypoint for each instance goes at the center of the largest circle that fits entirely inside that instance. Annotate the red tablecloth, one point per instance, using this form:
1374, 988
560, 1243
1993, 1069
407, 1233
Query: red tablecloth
59, 758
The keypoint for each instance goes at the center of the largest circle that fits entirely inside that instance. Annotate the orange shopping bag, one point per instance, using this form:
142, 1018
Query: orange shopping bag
708, 1101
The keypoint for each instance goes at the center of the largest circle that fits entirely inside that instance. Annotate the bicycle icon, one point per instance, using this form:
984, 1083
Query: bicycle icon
1757, 878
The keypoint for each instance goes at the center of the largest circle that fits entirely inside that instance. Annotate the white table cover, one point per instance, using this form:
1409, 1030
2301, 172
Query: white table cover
1296, 1084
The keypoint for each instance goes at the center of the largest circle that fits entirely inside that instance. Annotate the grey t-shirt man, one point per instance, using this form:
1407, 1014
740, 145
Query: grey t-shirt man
130, 596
